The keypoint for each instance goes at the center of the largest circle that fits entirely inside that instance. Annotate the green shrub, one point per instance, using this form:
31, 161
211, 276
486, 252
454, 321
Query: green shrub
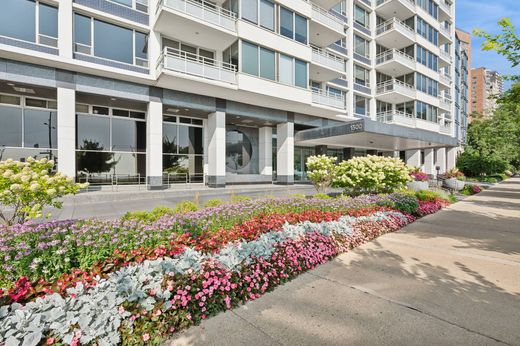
321, 170
426, 195
160, 211
321, 196
185, 207
297, 195
372, 174
239, 198
214, 202
473, 164
137, 215
406, 202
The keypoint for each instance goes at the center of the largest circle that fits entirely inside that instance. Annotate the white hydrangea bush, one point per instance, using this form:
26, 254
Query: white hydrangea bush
27, 187
372, 174
321, 171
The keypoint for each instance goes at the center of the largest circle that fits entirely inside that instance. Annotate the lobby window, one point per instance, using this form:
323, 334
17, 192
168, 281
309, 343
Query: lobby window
361, 105
108, 41
361, 76
361, 46
361, 16
28, 127
293, 26
182, 148
29, 20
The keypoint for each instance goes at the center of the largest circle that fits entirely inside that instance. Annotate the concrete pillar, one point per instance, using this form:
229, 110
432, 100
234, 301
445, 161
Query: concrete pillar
441, 160
65, 29
66, 99
216, 149
429, 164
154, 145
451, 158
348, 153
320, 150
413, 158
265, 150
285, 153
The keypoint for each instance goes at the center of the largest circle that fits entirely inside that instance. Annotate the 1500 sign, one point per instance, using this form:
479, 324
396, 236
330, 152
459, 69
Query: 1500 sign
356, 127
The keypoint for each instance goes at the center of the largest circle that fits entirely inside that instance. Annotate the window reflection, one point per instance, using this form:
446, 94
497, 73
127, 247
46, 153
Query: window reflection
238, 150
40, 129
10, 126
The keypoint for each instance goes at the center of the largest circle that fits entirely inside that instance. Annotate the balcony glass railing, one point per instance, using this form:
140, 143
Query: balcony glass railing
392, 54
396, 117
203, 10
326, 18
196, 65
393, 23
393, 85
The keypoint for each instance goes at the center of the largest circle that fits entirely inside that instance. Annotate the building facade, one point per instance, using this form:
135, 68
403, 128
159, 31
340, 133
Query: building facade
462, 92
227, 92
486, 86
464, 38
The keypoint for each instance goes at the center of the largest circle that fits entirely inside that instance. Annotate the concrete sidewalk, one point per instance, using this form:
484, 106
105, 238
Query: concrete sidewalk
452, 278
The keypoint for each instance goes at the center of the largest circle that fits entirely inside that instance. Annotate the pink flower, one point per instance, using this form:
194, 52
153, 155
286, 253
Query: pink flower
50, 341
146, 337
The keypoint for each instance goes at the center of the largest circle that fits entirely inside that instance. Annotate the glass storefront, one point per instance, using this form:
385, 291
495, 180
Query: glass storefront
238, 150
183, 150
110, 145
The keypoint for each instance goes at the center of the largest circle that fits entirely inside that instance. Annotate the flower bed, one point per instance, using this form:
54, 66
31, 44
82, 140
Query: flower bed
132, 282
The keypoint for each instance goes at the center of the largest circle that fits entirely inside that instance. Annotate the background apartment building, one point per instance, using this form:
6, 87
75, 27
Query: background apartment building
486, 86
228, 92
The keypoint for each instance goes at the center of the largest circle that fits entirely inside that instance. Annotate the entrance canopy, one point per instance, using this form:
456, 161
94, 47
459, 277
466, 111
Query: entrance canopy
370, 134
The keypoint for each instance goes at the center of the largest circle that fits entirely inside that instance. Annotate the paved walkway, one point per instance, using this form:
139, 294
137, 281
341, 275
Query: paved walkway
452, 278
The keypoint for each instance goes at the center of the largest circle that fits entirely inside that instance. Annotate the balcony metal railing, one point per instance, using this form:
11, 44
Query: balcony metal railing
445, 129
193, 64
392, 54
203, 10
444, 77
396, 117
328, 59
391, 85
328, 99
325, 17
393, 23
445, 55
445, 30
445, 6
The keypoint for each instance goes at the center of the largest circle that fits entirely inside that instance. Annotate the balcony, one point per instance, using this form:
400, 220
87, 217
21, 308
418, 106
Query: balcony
395, 33
202, 23
397, 118
445, 35
325, 28
327, 4
328, 99
325, 66
395, 91
445, 102
445, 58
189, 64
395, 63
444, 78
404, 9
445, 9
446, 129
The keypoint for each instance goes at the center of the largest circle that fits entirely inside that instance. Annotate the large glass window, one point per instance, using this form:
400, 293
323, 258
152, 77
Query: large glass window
361, 46
18, 20
93, 133
267, 64
249, 58
300, 70
10, 126
128, 135
361, 16
110, 41
250, 10
361, 75
267, 14
40, 128
300, 29
361, 105
286, 22
238, 150
286, 69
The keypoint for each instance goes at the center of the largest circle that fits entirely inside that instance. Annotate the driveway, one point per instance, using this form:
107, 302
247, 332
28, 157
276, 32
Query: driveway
452, 278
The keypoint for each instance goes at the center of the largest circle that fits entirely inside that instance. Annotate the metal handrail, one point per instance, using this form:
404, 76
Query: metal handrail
328, 94
205, 6
389, 85
392, 23
389, 54
388, 116
327, 14
381, 2
327, 54
195, 58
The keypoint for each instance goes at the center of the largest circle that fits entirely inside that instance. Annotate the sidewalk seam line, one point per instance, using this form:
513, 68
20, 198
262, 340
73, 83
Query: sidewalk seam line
255, 327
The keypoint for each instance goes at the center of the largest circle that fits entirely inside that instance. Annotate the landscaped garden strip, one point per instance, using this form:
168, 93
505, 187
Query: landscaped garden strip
146, 302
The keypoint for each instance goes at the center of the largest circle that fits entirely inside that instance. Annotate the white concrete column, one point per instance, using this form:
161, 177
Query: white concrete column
216, 149
451, 158
66, 99
441, 160
429, 165
154, 145
65, 29
413, 158
285, 153
265, 150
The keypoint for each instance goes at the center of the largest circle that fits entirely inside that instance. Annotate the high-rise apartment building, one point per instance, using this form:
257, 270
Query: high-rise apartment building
462, 91
227, 92
486, 86
465, 45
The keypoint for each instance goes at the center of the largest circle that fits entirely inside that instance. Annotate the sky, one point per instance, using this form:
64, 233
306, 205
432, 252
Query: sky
484, 14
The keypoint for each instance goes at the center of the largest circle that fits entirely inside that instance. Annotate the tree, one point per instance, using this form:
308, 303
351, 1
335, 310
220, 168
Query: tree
27, 187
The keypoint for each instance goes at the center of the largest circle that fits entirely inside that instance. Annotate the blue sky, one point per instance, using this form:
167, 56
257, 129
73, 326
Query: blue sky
484, 14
